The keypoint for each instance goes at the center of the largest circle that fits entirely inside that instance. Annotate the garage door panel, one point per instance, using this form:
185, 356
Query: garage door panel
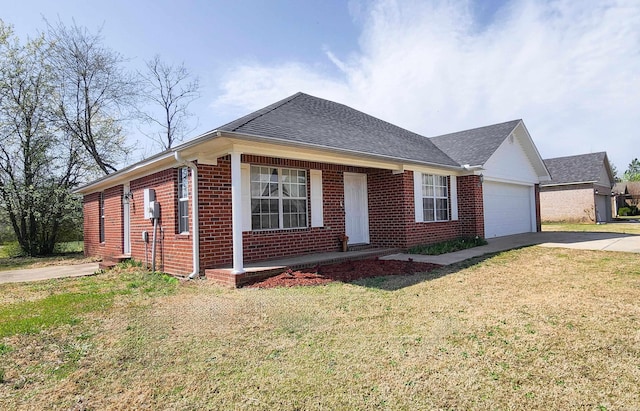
507, 209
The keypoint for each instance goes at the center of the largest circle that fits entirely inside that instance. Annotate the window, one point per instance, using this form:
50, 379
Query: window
278, 198
183, 200
435, 198
101, 215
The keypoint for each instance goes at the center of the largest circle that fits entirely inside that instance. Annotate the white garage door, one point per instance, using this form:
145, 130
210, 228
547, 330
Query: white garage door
507, 209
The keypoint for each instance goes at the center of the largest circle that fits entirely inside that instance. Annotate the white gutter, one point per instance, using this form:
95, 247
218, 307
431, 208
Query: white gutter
194, 212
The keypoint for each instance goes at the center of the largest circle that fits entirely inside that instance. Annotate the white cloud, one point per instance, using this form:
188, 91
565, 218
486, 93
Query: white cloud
570, 69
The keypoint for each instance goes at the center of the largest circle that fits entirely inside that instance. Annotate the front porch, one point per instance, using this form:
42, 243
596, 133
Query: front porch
265, 269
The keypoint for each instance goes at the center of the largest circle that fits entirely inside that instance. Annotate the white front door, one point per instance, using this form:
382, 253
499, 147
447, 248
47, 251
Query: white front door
126, 218
356, 208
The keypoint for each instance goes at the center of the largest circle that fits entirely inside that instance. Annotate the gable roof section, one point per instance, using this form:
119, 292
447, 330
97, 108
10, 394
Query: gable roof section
312, 121
583, 168
475, 146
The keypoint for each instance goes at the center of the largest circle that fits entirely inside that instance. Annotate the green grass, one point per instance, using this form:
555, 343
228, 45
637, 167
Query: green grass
449, 246
67, 307
11, 257
33, 316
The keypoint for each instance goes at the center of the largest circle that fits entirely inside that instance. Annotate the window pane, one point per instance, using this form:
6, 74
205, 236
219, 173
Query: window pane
274, 175
428, 205
442, 209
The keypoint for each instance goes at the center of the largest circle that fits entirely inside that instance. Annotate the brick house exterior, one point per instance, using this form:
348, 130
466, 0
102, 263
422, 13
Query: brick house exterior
580, 189
228, 167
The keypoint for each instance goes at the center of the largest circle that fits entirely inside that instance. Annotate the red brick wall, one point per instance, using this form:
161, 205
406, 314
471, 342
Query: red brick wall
388, 207
391, 217
261, 245
91, 217
425, 232
470, 206
173, 250
113, 224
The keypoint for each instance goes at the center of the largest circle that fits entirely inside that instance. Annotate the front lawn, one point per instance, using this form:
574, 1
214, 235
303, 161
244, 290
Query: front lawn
615, 227
533, 328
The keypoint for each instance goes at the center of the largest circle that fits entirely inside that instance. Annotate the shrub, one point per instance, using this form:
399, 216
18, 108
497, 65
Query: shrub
448, 246
624, 211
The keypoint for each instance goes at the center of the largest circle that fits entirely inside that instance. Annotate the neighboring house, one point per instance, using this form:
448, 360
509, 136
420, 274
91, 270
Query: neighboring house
626, 193
296, 176
579, 190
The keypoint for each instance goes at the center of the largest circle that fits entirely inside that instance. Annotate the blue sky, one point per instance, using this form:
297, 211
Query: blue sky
570, 69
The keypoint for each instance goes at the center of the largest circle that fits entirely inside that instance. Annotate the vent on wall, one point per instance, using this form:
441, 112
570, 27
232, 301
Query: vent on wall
511, 138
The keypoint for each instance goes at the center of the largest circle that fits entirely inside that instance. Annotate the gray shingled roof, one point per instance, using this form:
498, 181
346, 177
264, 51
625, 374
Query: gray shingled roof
475, 146
310, 120
575, 169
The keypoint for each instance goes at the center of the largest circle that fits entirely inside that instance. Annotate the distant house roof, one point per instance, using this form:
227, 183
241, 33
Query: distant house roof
309, 120
632, 188
583, 168
475, 146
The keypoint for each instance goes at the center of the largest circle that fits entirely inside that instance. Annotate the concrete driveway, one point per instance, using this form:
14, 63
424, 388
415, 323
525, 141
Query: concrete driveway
46, 273
627, 243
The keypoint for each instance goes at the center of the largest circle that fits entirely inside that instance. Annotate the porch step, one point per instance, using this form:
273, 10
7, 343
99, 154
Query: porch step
360, 247
108, 263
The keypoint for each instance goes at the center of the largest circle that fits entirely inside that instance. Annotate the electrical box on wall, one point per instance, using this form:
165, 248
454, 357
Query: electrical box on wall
154, 209
149, 196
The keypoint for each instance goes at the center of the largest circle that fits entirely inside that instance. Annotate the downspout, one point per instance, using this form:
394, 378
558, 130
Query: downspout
194, 214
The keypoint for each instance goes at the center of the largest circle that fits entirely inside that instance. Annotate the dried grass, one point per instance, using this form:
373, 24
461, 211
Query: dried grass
528, 329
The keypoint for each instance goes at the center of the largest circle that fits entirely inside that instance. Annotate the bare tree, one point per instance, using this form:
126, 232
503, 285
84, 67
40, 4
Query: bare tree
38, 163
95, 95
170, 89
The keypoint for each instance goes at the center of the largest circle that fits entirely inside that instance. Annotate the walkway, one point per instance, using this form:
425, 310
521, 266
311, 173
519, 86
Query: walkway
48, 272
578, 240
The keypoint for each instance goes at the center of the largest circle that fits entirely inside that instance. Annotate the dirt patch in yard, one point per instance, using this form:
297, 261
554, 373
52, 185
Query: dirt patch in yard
344, 272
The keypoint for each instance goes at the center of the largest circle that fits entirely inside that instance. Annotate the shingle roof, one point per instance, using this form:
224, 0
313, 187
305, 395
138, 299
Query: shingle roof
305, 119
575, 169
475, 146
632, 188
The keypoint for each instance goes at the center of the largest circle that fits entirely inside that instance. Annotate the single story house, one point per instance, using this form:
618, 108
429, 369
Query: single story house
298, 176
579, 189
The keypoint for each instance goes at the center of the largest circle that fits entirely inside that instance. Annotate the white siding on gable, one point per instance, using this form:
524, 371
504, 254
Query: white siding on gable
510, 163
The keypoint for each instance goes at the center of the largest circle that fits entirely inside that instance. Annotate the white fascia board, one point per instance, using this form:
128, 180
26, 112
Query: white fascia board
132, 172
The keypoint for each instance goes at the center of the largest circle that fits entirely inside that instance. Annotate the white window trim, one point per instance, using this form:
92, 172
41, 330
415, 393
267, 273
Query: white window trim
185, 200
102, 230
420, 195
317, 209
280, 199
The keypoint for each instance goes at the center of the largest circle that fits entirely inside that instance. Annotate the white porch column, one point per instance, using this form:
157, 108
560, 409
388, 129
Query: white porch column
236, 212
